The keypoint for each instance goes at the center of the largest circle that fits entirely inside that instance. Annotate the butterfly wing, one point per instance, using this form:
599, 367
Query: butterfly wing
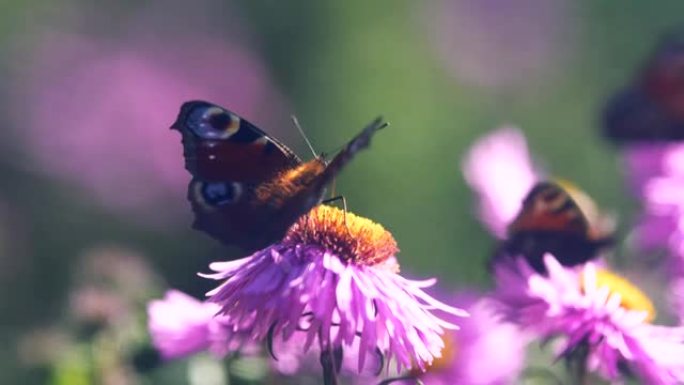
295, 192
221, 146
651, 109
248, 188
560, 219
358, 143
227, 157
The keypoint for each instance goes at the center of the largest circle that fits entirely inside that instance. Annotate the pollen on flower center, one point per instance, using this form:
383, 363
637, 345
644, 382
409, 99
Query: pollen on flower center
632, 298
352, 238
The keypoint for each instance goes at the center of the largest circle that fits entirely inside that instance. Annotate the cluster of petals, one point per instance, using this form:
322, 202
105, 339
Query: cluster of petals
181, 325
656, 175
569, 304
484, 334
288, 288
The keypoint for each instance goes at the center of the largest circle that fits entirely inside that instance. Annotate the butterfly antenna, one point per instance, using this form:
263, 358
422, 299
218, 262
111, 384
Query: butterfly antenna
295, 121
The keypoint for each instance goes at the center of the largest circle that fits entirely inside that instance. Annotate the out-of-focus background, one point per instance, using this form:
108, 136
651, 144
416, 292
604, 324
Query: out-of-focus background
93, 216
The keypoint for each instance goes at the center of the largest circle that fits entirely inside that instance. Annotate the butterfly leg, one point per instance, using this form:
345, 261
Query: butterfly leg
335, 199
344, 207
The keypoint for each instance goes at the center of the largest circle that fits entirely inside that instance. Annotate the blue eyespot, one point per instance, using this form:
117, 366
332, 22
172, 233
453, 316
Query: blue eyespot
213, 122
221, 193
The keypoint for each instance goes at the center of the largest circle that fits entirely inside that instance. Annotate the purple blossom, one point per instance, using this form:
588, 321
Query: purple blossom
487, 350
587, 306
334, 277
95, 112
181, 325
498, 167
676, 298
656, 175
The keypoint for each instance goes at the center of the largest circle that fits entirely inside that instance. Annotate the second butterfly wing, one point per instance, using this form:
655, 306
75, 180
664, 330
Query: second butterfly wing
559, 219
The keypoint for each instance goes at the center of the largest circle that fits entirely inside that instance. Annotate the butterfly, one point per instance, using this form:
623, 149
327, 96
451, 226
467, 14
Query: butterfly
560, 219
652, 108
247, 187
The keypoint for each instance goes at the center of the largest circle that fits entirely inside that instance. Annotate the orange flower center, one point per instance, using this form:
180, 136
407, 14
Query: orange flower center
351, 238
632, 298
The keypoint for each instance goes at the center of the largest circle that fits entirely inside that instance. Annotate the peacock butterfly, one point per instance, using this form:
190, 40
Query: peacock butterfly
247, 187
558, 218
652, 108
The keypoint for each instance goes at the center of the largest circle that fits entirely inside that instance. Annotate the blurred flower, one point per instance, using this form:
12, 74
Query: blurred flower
101, 330
656, 174
498, 44
335, 272
498, 167
596, 313
291, 359
96, 112
42, 346
120, 270
483, 334
181, 325
676, 298
97, 305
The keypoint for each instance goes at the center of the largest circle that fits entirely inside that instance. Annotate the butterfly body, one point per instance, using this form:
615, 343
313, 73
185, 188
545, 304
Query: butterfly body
248, 188
559, 219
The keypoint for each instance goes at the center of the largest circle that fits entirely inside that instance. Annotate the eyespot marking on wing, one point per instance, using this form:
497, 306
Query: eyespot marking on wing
213, 194
213, 122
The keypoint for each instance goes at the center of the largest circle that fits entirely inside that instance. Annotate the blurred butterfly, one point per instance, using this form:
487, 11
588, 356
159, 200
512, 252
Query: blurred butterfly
652, 108
557, 218
247, 187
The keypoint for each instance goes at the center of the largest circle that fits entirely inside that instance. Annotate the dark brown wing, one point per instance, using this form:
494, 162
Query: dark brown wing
549, 208
293, 193
560, 219
221, 146
227, 157
248, 188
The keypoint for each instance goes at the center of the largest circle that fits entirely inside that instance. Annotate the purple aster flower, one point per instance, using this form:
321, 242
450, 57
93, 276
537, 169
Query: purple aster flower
656, 175
498, 167
598, 316
111, 102
181, 325
483, 334
334, 277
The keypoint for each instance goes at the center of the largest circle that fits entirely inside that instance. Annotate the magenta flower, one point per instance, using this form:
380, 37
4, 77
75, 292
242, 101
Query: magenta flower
589, 307
334, 276
95, 112
498, 167
181, 325
676, 298
291, 359
486, 350
656, 174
